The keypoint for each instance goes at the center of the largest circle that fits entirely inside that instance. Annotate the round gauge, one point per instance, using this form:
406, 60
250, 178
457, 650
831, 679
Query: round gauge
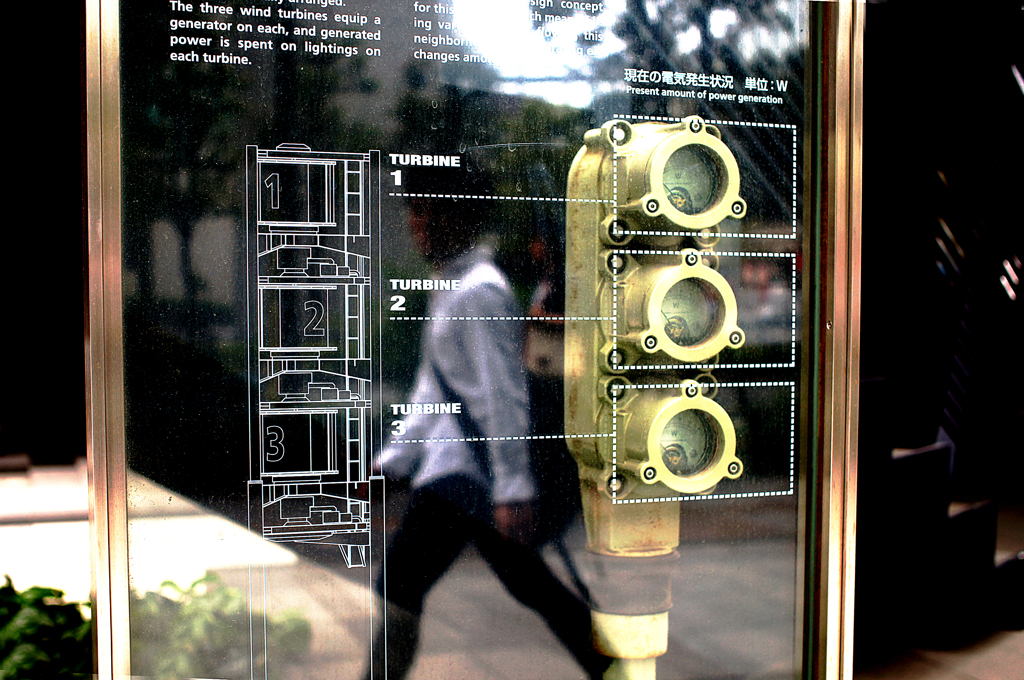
691, 312
689, 443
693, 179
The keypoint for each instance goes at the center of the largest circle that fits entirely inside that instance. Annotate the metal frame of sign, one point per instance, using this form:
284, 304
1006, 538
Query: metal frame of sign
827, 504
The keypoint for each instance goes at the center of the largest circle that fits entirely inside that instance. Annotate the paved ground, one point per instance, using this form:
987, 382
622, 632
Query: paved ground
733, 613
733, 594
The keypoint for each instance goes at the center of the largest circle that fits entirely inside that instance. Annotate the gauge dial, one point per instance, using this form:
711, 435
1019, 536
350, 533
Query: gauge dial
689, 443
692, 179
691, 312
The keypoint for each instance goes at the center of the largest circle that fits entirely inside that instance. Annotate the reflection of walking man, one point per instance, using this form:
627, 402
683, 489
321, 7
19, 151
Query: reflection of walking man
470, 471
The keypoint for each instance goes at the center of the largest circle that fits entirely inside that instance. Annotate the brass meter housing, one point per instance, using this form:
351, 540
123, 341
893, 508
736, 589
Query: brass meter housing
641, 311
679, 175
686, 311
686, 442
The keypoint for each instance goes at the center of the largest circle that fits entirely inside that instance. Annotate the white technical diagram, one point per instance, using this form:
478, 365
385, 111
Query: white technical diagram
311, 229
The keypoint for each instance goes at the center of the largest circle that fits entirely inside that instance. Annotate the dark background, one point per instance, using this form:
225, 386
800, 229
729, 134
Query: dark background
941, 333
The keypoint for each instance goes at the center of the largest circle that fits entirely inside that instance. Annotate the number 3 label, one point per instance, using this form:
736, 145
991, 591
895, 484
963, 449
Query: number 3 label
274, 444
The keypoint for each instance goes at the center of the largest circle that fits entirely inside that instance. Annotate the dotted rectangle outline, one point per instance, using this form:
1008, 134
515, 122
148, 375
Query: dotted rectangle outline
499, 318
737, 253
614, 434
549, 199
717, 496
793, 171
434, 440
790, 384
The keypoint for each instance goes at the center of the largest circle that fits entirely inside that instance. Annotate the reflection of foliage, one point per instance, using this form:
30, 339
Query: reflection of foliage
203, 631
652, 31
755, 38
525, 168
186, 126
41, 636
523, 147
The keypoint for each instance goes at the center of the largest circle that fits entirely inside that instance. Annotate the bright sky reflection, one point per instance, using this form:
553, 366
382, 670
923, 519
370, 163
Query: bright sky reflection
540, 62
544, 61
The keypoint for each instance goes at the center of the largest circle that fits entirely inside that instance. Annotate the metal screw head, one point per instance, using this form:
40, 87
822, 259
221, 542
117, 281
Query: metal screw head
691, 259
691, 390
737, 208
734, 468
619, 134
734, 337
615, 390
694, 125
615, 232
615, 483
650, 342
615, 357
652, 206
650, 473
616, 263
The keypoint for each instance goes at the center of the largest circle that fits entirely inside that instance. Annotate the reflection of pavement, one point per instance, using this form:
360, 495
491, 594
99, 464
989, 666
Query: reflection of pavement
733, 594
732, 615
173, 539
732, 618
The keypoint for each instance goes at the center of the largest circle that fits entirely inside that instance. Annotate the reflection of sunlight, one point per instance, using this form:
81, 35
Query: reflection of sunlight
167, 278
770, 38
720, 20
48, 554
216, 257
161, 522
544, 61
558, 92
44, 528
763, 39
155, 550
688, 40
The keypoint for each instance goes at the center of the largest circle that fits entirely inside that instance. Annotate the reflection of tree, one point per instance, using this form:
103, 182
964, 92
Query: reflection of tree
651, 31
739, 39
523, 146
185, 129
178, 120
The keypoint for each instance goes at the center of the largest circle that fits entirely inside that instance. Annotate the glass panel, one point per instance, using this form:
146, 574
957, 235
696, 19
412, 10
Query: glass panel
464, 339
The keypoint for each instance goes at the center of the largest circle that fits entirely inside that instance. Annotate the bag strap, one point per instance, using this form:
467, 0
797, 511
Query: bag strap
467, 423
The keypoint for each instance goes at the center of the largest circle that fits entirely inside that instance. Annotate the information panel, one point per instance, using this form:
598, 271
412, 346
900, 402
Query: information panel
466, 339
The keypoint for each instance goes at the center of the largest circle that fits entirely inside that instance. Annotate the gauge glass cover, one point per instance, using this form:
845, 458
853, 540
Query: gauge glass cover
689, 443
691, 312
693, 179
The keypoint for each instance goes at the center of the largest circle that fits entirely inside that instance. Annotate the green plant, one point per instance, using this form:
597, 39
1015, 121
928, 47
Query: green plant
199, 631
41, 635
203, 631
